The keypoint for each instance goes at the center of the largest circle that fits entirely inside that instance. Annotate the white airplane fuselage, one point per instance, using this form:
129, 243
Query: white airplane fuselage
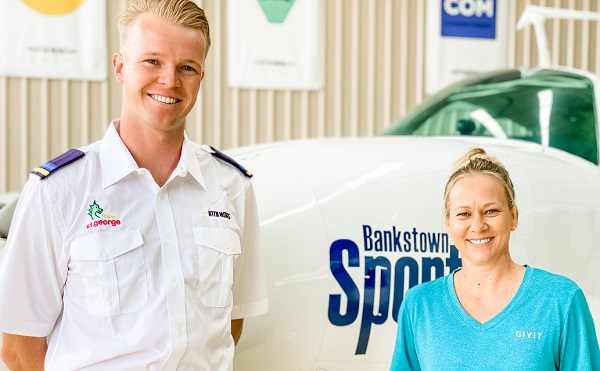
349, 224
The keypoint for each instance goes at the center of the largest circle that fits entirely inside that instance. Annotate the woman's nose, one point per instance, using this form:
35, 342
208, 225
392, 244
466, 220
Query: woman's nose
478, 223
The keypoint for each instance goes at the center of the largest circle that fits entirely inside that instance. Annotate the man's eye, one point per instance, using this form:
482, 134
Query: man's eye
188, 68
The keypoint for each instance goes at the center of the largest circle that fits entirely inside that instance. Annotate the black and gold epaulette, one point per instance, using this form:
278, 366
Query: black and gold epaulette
229, 160
61, 161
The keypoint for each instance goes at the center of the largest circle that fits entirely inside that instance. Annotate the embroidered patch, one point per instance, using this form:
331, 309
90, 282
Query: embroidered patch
96, 213
218, 214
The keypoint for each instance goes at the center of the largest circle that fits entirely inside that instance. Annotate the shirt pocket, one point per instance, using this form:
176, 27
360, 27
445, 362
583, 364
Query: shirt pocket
111, 266
218, 249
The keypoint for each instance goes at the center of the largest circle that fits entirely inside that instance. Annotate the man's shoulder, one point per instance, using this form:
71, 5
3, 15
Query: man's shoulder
70, 159
221, 157
58, 163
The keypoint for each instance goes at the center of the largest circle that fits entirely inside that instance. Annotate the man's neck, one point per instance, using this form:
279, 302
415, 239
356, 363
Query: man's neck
157, 152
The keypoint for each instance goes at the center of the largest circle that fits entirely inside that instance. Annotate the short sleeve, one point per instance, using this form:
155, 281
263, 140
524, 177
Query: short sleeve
579, 342
31, 277
405, 355
249, 286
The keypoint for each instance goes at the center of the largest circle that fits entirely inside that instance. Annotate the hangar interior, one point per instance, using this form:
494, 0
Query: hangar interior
372, 57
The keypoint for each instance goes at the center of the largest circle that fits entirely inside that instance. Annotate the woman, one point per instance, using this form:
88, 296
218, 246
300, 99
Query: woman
492, 314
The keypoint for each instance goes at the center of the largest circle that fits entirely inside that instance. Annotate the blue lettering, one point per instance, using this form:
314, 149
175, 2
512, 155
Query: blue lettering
469, 8
378, 240
423, 242
387, 240
397, 244
368, 317
340, 274
400, 274
407, 272
407, 244
415, 234
434, 242
428, 264
453, 262
367, 232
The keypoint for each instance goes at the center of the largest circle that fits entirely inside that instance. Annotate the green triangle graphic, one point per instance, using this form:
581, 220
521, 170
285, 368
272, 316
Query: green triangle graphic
276, 10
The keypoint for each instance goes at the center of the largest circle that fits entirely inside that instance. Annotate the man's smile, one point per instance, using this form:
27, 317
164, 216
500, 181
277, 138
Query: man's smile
163, 99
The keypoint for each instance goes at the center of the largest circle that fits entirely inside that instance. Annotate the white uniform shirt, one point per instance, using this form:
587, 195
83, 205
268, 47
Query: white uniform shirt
124, 275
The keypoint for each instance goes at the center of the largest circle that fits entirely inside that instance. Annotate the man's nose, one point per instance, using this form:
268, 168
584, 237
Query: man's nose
169, 76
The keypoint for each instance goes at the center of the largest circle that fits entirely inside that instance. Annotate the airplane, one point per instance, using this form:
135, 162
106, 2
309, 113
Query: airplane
349, 224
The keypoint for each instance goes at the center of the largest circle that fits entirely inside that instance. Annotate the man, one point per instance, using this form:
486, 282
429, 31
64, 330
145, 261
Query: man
138, 251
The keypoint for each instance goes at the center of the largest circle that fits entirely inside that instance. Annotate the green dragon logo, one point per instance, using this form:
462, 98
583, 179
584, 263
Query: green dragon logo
95, 211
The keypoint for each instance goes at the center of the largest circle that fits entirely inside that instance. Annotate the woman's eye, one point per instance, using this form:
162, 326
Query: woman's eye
188, 68
152, 61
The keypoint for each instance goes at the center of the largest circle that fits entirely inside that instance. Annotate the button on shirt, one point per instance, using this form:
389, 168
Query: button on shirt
122, 274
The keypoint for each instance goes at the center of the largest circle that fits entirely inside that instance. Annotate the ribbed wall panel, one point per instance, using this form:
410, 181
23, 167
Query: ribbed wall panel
373, 60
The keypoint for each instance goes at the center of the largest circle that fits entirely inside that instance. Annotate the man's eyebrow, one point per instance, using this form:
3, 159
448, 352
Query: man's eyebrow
159, 54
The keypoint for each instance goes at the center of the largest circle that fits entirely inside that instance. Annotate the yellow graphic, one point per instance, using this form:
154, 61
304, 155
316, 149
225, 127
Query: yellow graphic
54, 7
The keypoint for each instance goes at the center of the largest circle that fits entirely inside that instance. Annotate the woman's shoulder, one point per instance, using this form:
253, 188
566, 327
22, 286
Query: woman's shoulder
552, 283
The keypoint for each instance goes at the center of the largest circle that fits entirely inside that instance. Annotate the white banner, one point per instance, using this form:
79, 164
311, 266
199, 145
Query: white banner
464, 37
273, 44
58, 39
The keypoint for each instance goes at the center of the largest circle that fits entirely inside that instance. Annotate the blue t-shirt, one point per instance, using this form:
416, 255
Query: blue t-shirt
546, 326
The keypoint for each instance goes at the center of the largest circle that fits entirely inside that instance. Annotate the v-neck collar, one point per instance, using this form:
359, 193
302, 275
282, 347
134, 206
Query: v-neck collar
498, 318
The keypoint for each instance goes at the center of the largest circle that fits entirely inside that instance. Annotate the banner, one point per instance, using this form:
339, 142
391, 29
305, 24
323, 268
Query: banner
57, 39
464, 37
273, 44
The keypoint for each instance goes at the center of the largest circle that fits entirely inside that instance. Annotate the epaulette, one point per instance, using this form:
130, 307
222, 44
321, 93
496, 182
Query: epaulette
61, 161
224, 157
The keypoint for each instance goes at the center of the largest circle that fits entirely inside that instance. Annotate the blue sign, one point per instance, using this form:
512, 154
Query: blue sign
469, 18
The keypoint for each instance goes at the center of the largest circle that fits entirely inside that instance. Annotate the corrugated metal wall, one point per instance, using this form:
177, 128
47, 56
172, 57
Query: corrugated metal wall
373, 59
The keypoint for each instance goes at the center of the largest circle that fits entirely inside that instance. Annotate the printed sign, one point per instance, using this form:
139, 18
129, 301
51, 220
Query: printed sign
464, 38
469, 18
62, 39
273, 44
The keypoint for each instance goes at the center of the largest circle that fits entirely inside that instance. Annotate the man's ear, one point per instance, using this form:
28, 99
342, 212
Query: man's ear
118, 63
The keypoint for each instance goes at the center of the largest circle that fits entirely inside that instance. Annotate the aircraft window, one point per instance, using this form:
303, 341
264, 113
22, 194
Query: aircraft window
556, 110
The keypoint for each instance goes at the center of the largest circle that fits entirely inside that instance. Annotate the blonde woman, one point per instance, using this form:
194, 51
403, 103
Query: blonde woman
493, 313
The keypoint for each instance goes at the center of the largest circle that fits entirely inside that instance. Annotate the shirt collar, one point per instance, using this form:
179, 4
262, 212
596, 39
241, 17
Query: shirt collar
115, 159
189, 161
117, 162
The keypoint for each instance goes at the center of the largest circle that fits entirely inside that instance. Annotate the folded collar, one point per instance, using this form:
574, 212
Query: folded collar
117, 162
115, 159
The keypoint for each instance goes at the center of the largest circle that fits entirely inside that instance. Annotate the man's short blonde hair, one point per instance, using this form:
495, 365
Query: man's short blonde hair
182, 12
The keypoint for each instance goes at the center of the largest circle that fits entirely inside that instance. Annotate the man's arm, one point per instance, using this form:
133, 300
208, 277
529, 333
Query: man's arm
24, 352
236, 329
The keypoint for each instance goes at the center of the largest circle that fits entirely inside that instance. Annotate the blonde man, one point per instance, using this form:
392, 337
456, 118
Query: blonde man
139, 251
